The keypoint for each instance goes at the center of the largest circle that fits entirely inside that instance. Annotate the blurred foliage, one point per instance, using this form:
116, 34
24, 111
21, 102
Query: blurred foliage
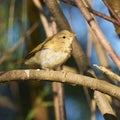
3, 22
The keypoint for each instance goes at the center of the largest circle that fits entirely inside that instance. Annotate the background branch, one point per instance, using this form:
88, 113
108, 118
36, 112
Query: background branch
111, 10
95, 12
20, 41
100, 36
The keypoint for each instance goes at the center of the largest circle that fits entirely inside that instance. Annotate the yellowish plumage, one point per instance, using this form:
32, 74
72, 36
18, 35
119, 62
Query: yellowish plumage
53, 52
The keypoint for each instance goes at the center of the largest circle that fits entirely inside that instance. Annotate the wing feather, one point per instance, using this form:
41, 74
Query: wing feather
38, 48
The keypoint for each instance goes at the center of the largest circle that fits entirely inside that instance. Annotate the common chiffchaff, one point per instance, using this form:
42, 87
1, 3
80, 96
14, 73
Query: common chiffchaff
53, 52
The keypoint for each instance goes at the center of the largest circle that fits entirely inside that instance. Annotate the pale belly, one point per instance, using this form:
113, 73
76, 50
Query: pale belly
48, 58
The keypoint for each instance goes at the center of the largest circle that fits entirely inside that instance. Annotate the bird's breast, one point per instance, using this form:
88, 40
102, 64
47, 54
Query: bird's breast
49, 58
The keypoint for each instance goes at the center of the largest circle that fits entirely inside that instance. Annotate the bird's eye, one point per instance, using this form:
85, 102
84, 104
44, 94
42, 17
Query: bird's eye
63, 37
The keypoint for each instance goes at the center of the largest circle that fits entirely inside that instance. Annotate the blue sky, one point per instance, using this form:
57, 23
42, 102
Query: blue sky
79, 26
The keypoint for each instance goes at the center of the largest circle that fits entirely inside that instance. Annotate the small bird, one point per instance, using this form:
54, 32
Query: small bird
53, 52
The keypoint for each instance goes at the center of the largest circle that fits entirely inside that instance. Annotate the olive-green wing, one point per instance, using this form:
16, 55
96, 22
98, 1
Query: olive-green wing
38, 48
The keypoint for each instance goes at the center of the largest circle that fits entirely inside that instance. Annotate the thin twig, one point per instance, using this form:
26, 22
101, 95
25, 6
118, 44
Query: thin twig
111, 10
43, 18
101, 54
102, 57
104, 16
108, 72
100, 36
96, 13
20, 41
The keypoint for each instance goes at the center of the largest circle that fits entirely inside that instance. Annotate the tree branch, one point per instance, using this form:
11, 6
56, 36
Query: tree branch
104, 106
60, 76
95, 12
99, 35
111, 10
